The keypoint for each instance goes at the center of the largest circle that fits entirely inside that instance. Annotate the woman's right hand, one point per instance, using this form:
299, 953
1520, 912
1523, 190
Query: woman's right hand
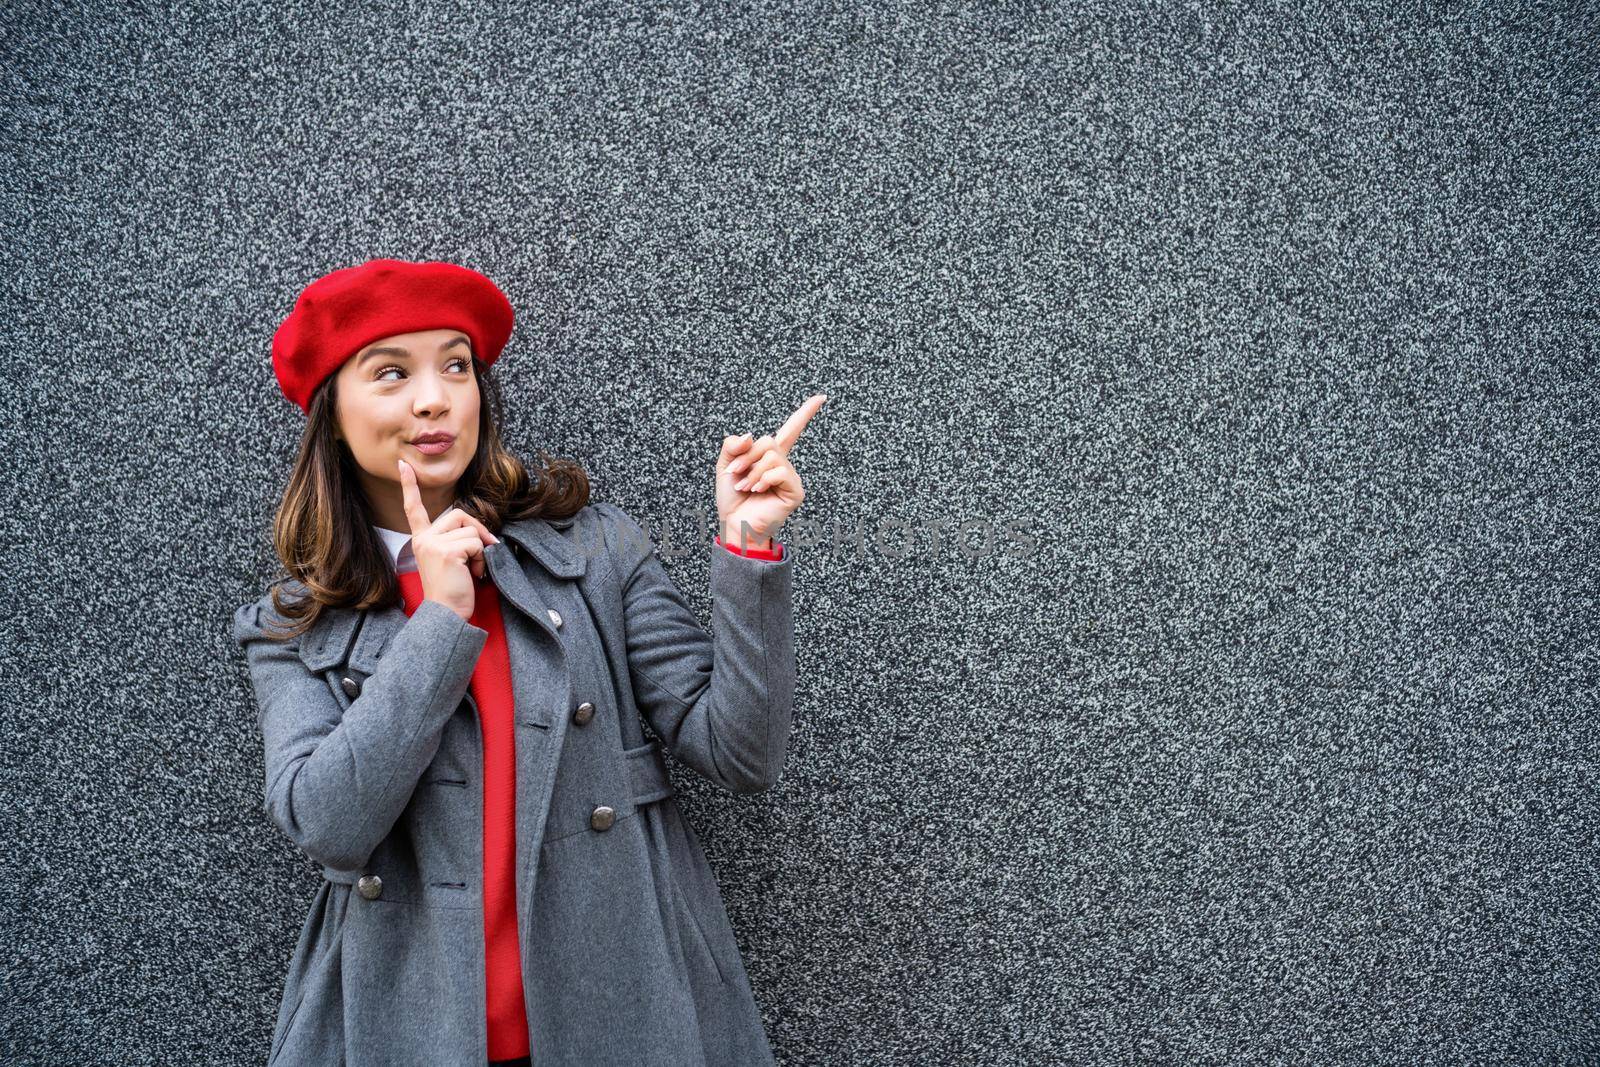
448, 550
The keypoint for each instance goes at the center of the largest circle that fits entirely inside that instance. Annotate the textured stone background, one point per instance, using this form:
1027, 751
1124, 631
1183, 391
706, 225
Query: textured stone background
1279, 319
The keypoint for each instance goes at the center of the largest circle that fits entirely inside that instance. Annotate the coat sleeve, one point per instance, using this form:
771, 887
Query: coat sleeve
723, 706
337, 780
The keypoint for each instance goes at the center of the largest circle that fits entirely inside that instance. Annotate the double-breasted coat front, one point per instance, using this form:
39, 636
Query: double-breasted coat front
373, 760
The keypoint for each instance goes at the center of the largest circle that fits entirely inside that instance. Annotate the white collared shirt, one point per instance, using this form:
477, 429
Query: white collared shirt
399, 546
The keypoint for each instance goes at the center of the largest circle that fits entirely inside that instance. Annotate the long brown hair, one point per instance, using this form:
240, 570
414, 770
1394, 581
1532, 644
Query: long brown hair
323, 529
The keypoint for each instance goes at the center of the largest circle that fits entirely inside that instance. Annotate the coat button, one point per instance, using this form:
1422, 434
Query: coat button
370, 886
555, 618
602, 818
352, 688
584, 713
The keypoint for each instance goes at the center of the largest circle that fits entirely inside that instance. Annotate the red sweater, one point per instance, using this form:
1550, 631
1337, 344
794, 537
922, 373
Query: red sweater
491, 688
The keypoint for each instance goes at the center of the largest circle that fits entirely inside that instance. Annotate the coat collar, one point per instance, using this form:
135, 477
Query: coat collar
543, 539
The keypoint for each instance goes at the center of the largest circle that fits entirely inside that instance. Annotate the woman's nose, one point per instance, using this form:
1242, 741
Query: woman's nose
431, 397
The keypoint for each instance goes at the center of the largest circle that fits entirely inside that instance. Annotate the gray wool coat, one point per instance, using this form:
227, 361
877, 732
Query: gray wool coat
373, 761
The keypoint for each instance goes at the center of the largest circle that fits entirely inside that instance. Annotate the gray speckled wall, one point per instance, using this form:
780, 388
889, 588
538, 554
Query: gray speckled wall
1279, 320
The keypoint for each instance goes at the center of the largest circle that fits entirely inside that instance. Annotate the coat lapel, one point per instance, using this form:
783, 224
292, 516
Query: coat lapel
546, 544
567, 555
328, 641
376, 629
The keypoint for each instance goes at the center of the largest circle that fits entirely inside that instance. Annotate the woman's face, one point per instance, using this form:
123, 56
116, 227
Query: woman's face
394, 391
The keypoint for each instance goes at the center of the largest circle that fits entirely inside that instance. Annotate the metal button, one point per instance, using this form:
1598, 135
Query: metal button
602, 818
555, 618
369, 886
352, 688
583, 714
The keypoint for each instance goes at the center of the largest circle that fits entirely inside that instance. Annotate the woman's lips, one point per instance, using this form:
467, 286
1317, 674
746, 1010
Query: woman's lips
433, 448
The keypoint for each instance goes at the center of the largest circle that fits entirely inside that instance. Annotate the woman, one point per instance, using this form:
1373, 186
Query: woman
450, 687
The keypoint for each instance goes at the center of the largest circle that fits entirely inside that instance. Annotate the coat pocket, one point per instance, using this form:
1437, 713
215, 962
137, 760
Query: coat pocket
413, 980
692, 902
697, 936
677, 921
309, 1027
283, 1030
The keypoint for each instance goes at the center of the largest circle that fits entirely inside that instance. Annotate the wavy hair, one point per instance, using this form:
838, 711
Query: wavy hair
323, 531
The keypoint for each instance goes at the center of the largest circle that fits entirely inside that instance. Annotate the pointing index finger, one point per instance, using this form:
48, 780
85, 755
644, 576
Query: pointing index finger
790, 431
411, 498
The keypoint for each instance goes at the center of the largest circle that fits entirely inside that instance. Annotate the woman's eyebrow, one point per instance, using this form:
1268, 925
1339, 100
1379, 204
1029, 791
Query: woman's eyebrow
390, 350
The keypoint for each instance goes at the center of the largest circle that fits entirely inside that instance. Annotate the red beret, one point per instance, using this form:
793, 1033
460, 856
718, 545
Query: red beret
341, 313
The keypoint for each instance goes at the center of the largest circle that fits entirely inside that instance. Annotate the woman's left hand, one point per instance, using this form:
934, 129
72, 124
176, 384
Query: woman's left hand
756, 484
